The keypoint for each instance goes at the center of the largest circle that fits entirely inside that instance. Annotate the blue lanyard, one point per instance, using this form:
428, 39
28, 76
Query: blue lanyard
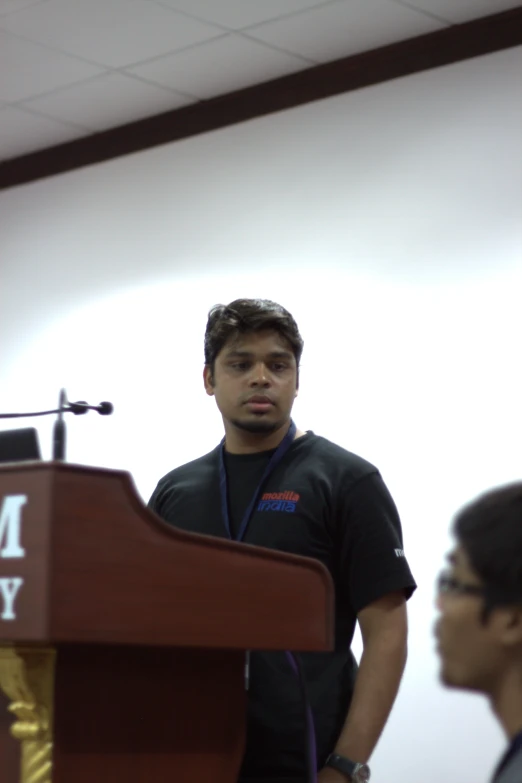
223, 482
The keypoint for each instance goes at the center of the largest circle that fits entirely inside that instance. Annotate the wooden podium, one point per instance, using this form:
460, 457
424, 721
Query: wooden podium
122, 640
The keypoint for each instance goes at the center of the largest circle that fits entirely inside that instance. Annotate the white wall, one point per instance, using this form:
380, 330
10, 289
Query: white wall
389, 222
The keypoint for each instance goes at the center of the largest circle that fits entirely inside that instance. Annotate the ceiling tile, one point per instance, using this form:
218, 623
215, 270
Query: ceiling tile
114, 33
22, 132
458, 11
27, 69
345, 28
226, 64
8, 6
107, 101
235, 14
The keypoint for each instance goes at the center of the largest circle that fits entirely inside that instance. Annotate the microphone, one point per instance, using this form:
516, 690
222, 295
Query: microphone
104, 408
64, 406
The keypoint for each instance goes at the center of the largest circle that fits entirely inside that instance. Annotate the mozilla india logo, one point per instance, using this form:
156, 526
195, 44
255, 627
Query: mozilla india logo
279, 501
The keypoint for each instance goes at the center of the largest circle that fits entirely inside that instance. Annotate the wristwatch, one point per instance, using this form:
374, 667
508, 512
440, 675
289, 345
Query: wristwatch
356, 773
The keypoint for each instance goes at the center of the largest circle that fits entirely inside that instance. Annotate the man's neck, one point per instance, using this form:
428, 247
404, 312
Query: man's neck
238, 441
507, 703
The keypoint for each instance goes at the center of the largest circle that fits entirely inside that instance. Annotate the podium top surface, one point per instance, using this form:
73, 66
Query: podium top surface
82, 559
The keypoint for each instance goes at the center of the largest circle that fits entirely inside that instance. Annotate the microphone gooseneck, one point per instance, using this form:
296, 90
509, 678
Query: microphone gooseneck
59, 430
104, 409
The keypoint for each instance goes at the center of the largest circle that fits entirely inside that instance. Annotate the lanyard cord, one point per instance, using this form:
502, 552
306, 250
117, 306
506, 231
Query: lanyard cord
223, 482
293, 660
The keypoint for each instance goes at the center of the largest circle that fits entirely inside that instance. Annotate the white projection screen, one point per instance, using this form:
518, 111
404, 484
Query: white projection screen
388, 220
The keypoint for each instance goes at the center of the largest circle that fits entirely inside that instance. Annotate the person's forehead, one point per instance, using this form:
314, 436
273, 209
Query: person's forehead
459, 561
265, 341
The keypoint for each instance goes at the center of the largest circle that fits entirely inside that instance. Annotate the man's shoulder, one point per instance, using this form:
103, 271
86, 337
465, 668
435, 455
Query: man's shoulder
336, 457
185, 496
195, 469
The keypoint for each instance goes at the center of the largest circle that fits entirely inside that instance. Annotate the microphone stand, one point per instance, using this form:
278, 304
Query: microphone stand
59, 433
59, 430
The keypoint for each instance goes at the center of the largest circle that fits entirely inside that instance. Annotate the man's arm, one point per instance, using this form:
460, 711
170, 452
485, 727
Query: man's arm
384, 630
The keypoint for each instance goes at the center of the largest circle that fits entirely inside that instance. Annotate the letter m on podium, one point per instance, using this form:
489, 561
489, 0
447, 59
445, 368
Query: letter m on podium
11, 526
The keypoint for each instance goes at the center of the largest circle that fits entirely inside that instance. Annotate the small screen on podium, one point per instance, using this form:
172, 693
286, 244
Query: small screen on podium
19, 445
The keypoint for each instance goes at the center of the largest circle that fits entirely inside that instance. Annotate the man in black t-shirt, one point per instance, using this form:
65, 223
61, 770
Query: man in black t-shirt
272, 485
479, 631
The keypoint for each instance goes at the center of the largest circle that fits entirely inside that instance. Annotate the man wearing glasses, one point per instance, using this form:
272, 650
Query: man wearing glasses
479, 631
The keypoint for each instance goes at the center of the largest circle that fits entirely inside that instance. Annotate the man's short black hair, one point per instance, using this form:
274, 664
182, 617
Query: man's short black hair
245, 316
490, 531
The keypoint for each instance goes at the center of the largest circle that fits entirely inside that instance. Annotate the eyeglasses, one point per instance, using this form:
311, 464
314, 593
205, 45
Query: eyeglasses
449, 585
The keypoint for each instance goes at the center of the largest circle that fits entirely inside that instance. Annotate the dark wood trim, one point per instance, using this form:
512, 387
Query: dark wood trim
450, 45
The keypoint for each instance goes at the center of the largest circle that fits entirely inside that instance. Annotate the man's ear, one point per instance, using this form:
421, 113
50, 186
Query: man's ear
208, 380
510, 620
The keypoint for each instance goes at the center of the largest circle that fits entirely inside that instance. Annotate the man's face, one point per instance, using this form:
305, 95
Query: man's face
254, 381
470, 650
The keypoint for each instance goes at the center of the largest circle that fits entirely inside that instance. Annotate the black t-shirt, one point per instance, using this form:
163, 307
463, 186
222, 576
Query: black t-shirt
324, 502
509, 769
244, 472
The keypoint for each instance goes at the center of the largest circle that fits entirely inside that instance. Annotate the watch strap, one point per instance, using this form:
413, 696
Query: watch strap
341, 764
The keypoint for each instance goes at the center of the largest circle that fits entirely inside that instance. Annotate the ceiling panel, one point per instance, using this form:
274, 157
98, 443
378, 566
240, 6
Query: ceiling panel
113, 33
343, 28
236, 14
22, 132
458, 11
226, 64
106, 101
8, 6
28, 69
101, 63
